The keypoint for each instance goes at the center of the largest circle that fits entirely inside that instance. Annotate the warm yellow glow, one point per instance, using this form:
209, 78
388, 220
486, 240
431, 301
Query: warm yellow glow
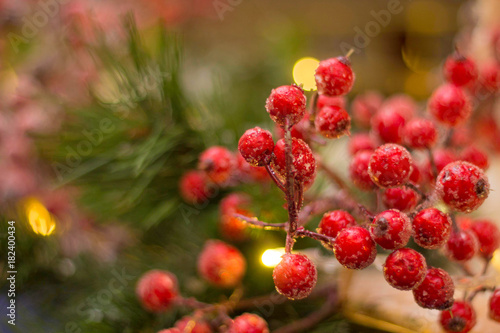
303, 73
39, 218
272, 257
495, 261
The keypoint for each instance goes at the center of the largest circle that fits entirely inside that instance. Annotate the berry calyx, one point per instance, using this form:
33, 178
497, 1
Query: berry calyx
462, 186
256, 146
249, 323
391, 229
436, 290
218, 163
221, 264
390, 165
462, 245
332, 122
358, 170
449, 105
303, 160
334, 76
494, 306
389, 125
286, 102
405, 269
354, 248
460, 318
193, 325
194, 188
295, 276
400, 198
420, 133
157, 290
431, 228
459, 70
488, 236
335, 221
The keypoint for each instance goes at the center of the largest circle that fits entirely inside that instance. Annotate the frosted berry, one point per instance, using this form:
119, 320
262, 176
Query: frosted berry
233, 202
250, 173
218, 164
332, 122
286, 102
194, 188
360, 142
157, 290
193, 325
249, 323
405, 269
295, 276
303, 160
391, 229
335, 221
449, 105
402, 104
459, 70
389, 125
400, 198
334, 76
420, 133
431, 228
233, 228
324, 100
489, 77
256, 146
416, 176
460, 318
354, 248
488, 235
364, 106
462, 245
476, 156
436, 290
462, 186
443, 157
221, 264
494, 306
358, 170
390, 165
299, 131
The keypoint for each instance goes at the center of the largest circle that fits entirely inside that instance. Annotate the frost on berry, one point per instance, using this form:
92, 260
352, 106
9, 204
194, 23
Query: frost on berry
420, 133
354, 248
334, 76
256, 146
286, 102
494, 306
436, 290
358, 170
400, 198
324, 100
248, 323
388, 125
218, 163
449, 105
295, 276
488, 236
360, 142
193, 325
221, 264
390, 165
333, 222
194, 188
405, 269
431, 228
460, 318
459, 70
332, 122
157, 290
364, 106
462, 186
462, 245
391, 229
303, 160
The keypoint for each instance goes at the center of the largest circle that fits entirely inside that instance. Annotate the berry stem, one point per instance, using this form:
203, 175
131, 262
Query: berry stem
261, 225
301, 232
275, 178
313, 108
433, 163
418, 190
349, 53
449, 137
454, 223
332, 175
476, 291
290, 189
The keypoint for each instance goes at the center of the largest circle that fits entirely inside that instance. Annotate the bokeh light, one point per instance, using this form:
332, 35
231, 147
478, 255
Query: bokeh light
39, 218
272, 257
303, 72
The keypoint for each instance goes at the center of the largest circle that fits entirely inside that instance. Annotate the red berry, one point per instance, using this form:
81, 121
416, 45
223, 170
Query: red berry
286, 102
360, 142
358, 170
157, 290
400, 198
402, 104
476, 156
295, 276
462, 186
193, 187
170, 330
303, 160
354, 248
459, 70
462, 245
256, 146
431, 228
405, 269
221, 264
391, 229
249, 323
233, 202
494, 308
460, 318
324, 100
488, 235
388, 125
332, 122
192, 325
218, 163
443, 157
416, 174
335, 221
250, 173
390, 165
299, 131
364, 106
420, 133
436, 290
489, 78
449, 105
334, 76
233, 228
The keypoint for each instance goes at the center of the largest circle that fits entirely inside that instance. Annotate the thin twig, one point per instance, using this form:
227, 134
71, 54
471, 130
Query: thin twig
252, 221
432, 162
290, 189
301, 232
275, 178
417, 189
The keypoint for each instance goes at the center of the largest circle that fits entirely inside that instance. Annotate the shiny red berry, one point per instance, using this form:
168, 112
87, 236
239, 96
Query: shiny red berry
286, 102
494, 306
405, 269
354, 248
364, 106
462, 186
388, 125
335, 221
332, 122
218, 163
459, 70
476, 156
334, 76
420, 133
157, 290
249, 323
391, 229
303, 160
360, 142
449, 105
256, 146
193, 325
194, 187
221, 264
436, 290
461, 318
295, 276
462, 245
324, 100
400, 198
390, 165
358, 170
488, 235
431, 228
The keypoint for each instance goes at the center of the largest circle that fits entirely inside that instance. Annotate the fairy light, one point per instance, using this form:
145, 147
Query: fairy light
495, 260
303, 73
272, 257
39, 218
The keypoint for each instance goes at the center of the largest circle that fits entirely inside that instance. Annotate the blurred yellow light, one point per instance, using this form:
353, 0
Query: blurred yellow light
272, 257
303, 73
495, 261
39, 218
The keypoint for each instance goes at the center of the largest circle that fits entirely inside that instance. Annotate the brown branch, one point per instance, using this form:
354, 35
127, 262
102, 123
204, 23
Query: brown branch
290, 189
253, 222
432, 162
275, 178
301, 232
